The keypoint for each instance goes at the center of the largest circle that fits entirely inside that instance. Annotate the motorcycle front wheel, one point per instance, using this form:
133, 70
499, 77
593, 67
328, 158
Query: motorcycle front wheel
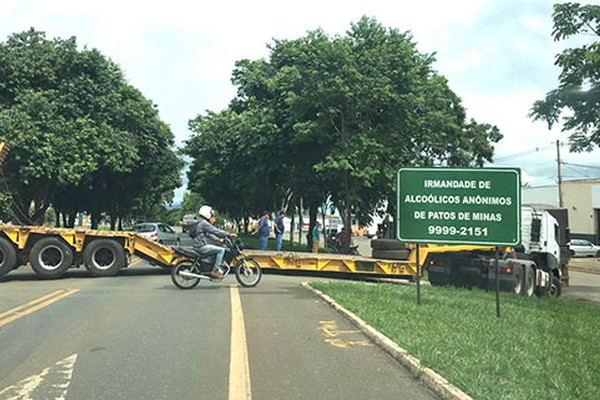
248, 272
183, 282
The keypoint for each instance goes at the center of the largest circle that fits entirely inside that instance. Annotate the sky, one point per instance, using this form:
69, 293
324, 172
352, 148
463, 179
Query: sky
498, 56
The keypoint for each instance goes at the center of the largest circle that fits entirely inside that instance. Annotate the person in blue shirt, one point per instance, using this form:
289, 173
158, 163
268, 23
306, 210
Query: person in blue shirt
279, 228
263, 230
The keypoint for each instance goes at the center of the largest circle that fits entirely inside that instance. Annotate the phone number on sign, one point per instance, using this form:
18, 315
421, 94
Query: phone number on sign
457, 230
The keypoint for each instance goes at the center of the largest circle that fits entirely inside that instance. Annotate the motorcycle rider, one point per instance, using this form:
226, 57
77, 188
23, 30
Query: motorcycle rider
202, 233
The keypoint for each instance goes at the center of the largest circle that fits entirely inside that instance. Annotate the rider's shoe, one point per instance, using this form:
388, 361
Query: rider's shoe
216, 274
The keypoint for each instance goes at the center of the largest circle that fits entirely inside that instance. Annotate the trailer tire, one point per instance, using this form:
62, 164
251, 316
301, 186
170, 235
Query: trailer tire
529, 281
387, 244
104, 257
8, 257
50, 257
519, 280
391, 254
438, 279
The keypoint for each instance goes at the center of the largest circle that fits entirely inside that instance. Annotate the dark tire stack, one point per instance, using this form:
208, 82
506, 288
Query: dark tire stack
389, 249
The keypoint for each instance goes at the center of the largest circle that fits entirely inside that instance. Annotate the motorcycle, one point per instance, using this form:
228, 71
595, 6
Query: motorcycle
337, 248
190, 268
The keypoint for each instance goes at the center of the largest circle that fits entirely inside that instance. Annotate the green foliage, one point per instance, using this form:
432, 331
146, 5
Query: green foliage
331, 117
192, 202
578, 92
81, 137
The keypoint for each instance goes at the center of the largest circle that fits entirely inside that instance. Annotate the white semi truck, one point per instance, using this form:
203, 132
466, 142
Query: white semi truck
539, 266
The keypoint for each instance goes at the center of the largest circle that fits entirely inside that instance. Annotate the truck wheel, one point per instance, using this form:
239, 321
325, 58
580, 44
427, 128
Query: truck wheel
555, 289
387, 244
519, 278
529, 282
391, 254
437, 279
50, 257
8, 256
104, 257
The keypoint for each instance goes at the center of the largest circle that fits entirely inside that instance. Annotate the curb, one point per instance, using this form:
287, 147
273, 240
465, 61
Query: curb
429, 377
586, 270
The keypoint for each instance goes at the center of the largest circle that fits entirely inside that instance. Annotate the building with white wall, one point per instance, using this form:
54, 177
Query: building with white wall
580, 197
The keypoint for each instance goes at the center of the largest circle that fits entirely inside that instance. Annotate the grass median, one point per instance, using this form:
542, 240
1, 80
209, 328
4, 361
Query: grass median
540, 348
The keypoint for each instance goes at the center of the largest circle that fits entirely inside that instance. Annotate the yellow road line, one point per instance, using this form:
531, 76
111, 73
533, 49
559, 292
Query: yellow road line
34, 305
31, 303
239, 369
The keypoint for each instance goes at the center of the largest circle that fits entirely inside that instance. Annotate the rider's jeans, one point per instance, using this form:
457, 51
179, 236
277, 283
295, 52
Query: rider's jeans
212, 250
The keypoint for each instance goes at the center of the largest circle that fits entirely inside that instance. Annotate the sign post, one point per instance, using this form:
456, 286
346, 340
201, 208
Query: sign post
476, 206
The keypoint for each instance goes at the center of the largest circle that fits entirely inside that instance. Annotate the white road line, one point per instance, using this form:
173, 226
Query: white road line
239, 369
52, 383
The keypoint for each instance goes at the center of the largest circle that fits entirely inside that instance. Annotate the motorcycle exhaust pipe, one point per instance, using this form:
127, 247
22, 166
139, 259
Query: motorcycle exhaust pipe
189, 274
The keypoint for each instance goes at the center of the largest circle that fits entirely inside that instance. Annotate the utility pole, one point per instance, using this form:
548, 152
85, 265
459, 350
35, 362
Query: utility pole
560, 195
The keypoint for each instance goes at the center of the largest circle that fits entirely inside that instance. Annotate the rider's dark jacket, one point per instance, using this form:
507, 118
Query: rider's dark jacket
202, 231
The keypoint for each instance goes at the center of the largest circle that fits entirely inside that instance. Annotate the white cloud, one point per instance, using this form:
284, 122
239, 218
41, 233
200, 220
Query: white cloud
497, 54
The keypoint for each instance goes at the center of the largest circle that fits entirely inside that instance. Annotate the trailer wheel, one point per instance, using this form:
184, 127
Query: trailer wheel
8, 256
529, 287
437, 278
519, 278
50, 257
104, 257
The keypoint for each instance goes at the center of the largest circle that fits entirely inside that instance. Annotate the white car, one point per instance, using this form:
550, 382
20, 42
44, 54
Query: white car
159, 232
583, 248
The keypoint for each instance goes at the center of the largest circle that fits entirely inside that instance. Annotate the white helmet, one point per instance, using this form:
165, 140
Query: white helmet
205, 212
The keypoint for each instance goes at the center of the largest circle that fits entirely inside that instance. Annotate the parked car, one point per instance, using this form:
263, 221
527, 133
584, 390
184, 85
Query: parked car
159, 232
583, 248
187, 221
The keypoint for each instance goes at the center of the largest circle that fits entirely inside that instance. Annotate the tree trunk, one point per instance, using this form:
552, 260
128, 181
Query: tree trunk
113, 222
312, 221
95, 219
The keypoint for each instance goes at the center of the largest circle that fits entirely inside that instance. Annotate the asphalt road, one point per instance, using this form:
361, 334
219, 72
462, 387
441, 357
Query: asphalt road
136, 336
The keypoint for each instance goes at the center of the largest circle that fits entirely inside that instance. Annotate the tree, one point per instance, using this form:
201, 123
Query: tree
578, 91
81, 137
334, 117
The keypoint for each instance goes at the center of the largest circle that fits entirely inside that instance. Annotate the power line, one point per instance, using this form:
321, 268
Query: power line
522, 154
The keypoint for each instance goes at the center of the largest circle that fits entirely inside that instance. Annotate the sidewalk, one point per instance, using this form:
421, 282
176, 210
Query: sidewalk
585, 264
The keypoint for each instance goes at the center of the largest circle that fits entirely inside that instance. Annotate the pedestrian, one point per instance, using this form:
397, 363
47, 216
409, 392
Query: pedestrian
264, 230
316, 233
279, 227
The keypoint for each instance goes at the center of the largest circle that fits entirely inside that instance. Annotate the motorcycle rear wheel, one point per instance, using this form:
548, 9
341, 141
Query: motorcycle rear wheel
183, 282
248, 272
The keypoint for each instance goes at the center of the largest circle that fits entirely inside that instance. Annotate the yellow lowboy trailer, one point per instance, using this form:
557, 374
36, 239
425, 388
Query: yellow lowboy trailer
338, 263
52, 251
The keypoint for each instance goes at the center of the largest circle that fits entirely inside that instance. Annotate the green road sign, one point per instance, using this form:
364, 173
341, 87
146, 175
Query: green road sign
480, 206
